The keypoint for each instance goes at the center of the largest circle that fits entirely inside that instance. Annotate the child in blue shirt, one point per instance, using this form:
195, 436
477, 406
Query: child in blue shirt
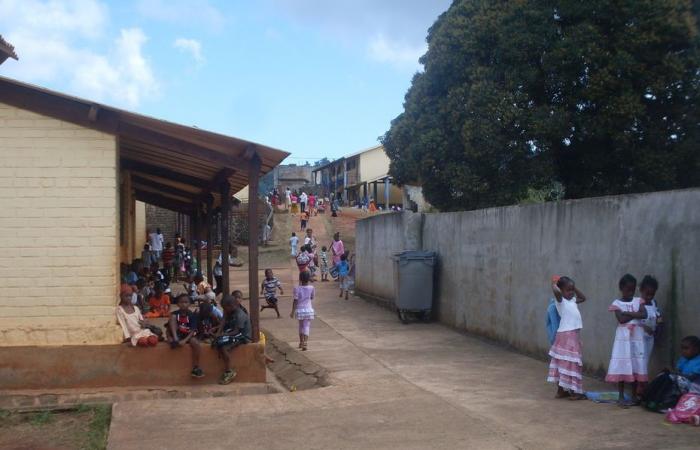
343, 271
688, 366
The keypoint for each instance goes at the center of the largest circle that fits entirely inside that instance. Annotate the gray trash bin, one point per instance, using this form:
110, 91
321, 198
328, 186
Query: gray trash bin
413, 280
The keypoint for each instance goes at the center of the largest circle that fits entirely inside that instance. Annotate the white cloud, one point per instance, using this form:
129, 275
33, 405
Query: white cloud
182, 12
391, 31
191, 46
400, 55
63, 44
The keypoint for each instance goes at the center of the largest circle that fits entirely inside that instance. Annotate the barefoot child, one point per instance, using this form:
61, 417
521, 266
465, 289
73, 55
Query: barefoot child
627, 362
181, 330
302, 309
343, 271
566, 366
268, 288
235, 330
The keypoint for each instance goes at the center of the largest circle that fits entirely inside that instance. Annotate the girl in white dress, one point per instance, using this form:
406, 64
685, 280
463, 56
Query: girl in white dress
627, 363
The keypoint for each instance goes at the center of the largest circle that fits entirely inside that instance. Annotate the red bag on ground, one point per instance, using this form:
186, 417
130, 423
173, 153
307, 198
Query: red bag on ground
687, 410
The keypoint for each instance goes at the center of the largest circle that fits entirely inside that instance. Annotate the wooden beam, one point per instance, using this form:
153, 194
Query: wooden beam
163, 202
162, 172
65, 108
198, 237
210, 241
225, 235
152, 137
220, 178
164, 188
253, 235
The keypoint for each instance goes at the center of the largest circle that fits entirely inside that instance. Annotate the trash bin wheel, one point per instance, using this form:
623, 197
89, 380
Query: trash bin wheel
402, 316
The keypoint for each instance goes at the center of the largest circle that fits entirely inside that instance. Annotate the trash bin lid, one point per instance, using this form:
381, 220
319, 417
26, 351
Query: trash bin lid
415, 255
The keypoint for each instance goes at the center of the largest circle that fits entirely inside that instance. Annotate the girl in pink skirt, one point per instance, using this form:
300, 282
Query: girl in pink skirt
628, 362
302, 309
566, 366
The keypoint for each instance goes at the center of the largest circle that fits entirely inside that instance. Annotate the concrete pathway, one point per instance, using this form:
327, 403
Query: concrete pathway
395, 386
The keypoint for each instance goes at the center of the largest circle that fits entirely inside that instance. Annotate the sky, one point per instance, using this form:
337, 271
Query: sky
317, 78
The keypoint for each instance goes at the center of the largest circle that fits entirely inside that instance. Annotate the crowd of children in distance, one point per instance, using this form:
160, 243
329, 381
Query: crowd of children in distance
639, 322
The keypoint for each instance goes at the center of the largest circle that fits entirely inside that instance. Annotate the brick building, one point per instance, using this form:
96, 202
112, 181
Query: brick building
72, 172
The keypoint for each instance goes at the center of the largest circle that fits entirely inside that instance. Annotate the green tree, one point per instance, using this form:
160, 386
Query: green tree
600, 97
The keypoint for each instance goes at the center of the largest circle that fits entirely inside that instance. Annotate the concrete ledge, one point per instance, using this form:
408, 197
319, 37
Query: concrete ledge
292, 368
120, 365
379, 301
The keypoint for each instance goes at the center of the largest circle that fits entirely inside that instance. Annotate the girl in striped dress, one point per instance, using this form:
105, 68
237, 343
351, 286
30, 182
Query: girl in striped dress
566, 366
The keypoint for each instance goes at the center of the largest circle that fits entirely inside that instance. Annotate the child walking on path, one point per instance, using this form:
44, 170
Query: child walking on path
268, 288
627, 363
293, 243
302, 309
323, 257
566, 366
343, 271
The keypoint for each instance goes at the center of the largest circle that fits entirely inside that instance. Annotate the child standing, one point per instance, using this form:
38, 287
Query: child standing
304, 219
324, 263
269, 288
652, 324
294, 242
302, 309
343, 271
627, 363
182, 329
566, 366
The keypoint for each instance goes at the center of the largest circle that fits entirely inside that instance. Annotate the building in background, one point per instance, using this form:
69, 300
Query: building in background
360, 175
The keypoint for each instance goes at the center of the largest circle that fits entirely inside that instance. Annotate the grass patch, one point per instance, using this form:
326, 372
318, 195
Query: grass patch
83, 427
99, 427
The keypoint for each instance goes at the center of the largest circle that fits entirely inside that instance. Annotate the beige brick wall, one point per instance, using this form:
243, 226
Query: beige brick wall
58, 232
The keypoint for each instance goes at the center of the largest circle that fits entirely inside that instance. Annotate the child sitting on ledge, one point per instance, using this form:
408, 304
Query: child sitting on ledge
133, 325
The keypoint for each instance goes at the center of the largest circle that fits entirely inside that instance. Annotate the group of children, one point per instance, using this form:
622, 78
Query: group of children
339, 264
639, 321
224, 329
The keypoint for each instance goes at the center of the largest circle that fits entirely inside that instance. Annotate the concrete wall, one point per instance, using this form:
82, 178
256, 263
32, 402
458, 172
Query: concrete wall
58, 232
495, 264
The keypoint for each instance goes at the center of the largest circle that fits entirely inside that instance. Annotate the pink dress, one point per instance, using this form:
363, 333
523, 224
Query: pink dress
338, 249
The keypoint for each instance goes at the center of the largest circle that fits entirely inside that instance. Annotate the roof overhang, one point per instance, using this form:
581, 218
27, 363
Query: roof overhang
174, 166
6, 50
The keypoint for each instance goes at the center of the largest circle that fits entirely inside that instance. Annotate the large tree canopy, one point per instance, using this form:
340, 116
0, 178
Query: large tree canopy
601, 96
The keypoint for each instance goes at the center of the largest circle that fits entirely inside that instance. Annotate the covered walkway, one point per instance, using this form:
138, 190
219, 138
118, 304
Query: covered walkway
184, 169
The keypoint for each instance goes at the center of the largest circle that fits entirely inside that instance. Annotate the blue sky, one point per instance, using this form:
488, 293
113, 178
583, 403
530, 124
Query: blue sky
315, 78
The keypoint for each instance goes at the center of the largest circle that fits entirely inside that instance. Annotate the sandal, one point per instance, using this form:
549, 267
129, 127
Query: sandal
574, 397
227, 377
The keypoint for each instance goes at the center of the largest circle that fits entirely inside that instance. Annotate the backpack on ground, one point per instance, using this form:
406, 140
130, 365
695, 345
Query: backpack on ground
661, 394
